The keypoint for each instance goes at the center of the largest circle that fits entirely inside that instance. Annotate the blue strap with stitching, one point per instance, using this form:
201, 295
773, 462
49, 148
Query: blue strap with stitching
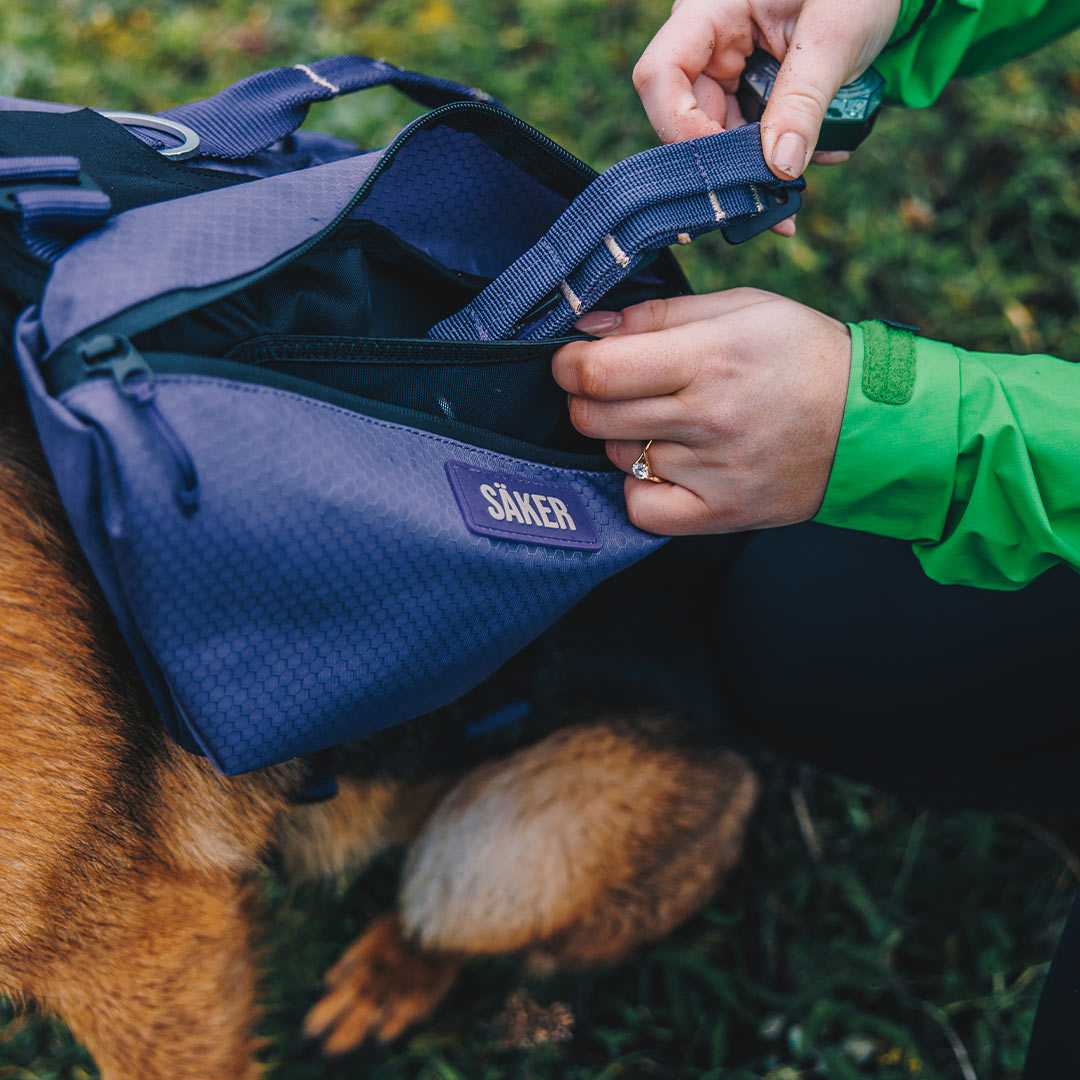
257, 111
653, 199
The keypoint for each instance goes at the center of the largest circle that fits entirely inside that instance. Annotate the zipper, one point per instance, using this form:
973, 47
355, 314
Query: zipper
109, 350
135, 376
136, 382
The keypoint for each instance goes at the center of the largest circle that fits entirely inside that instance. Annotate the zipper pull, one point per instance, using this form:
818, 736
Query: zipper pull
135, 380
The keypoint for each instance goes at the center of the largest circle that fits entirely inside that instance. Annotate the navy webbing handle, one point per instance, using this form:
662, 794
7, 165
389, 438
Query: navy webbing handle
659, 197
257, 111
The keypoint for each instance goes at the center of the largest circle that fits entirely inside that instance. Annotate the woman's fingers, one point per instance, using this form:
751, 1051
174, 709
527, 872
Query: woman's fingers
640, 418
665, 76
666, 509
702, 38
654, 315
616, 369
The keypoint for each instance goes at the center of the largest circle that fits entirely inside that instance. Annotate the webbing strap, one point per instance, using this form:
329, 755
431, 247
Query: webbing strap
257, 111
639, 205
50, 215
39, 167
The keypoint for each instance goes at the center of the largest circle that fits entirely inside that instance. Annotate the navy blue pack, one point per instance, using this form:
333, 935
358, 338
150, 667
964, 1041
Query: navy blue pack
296, 395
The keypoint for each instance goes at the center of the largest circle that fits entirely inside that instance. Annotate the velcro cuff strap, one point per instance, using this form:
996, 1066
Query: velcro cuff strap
888, 362
895, 468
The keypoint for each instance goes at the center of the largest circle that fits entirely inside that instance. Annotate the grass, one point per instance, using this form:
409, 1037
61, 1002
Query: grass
863, 938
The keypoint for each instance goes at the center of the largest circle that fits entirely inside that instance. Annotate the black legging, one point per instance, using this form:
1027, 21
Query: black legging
833, 647
836, 648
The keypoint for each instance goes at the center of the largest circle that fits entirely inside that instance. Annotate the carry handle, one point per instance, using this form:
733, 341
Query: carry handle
659, 197
257, 111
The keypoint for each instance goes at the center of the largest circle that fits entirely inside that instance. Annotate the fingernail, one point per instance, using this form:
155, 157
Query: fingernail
789, 154
596, 322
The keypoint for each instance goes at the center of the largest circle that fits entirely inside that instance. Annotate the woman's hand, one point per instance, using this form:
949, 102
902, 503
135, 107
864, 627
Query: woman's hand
689, 73
742, 392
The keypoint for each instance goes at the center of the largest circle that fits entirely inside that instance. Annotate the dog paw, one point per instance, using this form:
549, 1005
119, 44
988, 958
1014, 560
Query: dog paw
383, 984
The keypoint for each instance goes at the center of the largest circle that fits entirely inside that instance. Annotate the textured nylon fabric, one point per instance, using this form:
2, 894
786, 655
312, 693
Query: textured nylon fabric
330, 582
645, 231
194, 241
261, 109
327, 585
27, 105
450, 194
446, 192
654, 181
41, 167
52, 219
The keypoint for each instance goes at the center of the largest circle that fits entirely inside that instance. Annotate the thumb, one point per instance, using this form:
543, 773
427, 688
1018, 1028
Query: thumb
817, 63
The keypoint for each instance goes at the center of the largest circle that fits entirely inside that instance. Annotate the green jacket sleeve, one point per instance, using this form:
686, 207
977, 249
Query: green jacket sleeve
937, 39
974, 457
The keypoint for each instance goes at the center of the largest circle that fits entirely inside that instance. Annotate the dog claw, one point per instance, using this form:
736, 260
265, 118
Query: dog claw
382, 985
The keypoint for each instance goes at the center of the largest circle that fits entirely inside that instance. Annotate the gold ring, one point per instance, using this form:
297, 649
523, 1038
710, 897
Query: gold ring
640, 468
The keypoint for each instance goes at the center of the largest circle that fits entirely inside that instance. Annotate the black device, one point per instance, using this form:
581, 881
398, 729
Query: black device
849, 118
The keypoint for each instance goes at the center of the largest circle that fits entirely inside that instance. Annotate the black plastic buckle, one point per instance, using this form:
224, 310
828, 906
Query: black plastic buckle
780, 203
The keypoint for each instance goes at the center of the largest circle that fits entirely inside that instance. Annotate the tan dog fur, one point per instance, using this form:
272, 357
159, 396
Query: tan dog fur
126, 865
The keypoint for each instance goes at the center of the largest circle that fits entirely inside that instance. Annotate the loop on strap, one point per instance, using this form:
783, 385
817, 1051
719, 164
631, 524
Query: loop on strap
55, 202
39, 167
53, 218
646, 202
261, 109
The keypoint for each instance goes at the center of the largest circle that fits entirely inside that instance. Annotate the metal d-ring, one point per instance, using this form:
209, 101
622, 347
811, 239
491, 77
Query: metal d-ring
189, 139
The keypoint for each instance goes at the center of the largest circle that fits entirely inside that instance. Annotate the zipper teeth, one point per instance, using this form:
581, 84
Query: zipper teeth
394, 350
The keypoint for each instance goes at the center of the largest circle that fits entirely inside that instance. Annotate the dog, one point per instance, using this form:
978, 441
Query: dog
127, 865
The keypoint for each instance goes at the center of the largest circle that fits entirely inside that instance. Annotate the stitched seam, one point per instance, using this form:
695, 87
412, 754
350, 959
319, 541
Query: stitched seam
617, 252
701, 170
572, 298
317, 78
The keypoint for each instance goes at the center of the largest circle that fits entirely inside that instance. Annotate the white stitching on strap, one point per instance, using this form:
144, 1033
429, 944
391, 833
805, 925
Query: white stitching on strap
718, 210
617, 252
684, 238
317, 78
757, 198
571, 298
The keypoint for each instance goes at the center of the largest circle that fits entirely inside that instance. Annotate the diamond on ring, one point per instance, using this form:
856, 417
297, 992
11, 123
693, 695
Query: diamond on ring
641, 469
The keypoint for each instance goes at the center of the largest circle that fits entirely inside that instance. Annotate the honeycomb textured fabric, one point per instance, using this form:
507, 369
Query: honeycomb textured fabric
328, 585
513, 214
194, 241
290, 571
212, 237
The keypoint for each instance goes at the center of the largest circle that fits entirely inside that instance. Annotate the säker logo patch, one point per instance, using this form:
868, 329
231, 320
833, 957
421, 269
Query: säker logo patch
520, 508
